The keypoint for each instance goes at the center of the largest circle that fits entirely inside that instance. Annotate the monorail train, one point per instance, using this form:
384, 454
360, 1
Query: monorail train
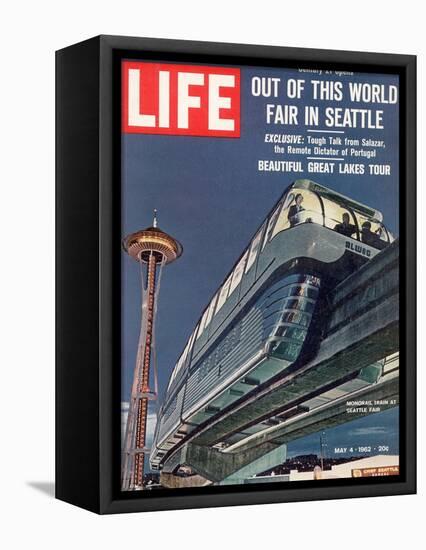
268, 312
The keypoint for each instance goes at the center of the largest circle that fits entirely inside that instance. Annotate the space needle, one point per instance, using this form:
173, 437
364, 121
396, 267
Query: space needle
152, 248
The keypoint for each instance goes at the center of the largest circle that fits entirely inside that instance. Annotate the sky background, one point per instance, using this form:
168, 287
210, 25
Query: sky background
211, 197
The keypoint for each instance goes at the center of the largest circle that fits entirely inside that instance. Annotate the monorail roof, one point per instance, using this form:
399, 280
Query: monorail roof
337, 197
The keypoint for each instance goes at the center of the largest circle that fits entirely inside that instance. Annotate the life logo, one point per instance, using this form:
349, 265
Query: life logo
188, 100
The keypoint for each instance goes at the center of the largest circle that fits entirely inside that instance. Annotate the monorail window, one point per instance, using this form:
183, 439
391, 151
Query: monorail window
223, 293
178, 365
195, 333
372, 232
238, 273
282, 221
307, 291
254, 248
192, 339
286, 350
297, 317
172, 377
294, 333
271, 225
211, 310
300, 206
339, 218
305, 206
203, 323
181, 360
301, 304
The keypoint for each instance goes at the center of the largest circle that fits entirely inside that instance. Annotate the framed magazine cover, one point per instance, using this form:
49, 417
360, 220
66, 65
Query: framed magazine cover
235, 274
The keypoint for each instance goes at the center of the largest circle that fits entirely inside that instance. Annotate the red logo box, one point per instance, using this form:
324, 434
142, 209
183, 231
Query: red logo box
187, 100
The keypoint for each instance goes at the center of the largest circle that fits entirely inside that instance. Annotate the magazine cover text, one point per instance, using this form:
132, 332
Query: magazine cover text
260, 281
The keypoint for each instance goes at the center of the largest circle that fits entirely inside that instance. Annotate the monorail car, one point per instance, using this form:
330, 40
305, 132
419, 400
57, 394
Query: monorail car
268, 312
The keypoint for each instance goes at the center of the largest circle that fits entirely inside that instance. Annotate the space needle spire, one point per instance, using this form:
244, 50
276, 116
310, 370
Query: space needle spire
152, 248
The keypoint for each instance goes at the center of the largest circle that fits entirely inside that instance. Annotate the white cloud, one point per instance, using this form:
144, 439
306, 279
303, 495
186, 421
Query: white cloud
150, 424
373, 430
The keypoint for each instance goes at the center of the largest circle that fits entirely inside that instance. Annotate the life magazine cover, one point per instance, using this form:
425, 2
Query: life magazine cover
260, 277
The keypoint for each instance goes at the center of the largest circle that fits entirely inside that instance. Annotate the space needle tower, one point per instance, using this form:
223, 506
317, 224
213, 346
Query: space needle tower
152, 248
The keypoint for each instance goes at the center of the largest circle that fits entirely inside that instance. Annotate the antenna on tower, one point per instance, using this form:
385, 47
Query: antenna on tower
154, 223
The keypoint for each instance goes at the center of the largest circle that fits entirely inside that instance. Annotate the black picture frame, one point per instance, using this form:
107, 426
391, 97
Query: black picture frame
88, 241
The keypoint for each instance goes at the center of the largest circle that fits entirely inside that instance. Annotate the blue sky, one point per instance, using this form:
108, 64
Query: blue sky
374, 430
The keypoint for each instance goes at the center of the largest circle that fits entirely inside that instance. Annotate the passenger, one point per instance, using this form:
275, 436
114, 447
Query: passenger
345, 228
367, 236
382, 241
294, 210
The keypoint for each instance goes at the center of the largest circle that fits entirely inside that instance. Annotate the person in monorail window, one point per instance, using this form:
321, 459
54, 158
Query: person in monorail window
345, 227
294, 210
376, 238
367, 236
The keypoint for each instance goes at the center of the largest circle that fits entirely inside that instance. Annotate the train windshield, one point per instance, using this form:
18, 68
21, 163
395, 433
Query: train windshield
308, 202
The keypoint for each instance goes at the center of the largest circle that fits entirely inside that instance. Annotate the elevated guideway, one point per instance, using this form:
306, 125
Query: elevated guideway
348, 365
